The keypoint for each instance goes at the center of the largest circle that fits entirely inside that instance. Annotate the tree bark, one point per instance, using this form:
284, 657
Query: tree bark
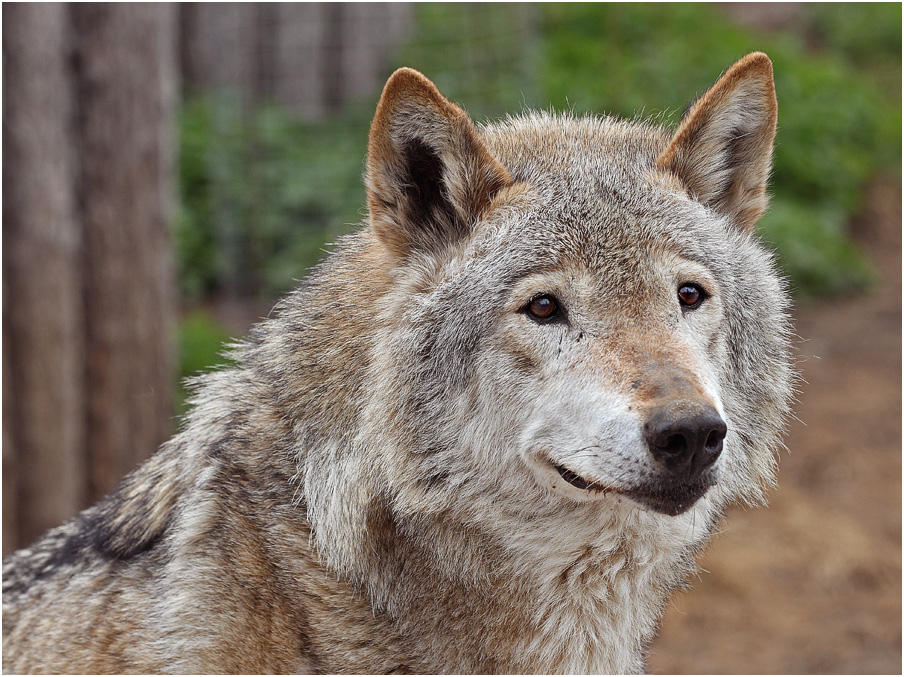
88, 279
126, 88
43, 328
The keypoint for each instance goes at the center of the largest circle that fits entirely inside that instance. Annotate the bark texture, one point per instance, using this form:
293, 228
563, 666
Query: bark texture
88, 288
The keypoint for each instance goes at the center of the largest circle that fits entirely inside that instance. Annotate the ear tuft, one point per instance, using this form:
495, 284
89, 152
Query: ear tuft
429, 174
722, 151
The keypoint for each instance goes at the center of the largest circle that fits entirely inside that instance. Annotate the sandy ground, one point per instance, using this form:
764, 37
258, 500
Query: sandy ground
812, 584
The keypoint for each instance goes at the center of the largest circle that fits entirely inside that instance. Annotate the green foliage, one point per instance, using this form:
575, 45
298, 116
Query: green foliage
481, 55
626, 57
867, 35
202, 343
814, 249
262, 192
837, 128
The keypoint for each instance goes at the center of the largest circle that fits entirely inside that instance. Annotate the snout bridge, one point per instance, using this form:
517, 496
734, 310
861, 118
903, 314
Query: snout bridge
683, 431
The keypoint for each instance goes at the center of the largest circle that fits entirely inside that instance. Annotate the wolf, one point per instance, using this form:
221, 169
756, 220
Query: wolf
488, 434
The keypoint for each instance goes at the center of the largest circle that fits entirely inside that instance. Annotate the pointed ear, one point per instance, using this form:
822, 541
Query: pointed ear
722, 151
429, 175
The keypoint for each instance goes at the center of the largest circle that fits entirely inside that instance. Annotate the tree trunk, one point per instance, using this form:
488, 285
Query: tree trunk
43, 327
126, 89
88, 287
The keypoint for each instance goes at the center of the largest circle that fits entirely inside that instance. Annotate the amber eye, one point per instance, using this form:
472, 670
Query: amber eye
543, 307
691, 295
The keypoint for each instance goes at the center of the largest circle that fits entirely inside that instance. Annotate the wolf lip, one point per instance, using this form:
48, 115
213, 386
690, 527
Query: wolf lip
672, 500
576, 480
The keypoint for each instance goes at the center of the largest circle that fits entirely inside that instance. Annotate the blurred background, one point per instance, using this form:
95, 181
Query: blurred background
170, 170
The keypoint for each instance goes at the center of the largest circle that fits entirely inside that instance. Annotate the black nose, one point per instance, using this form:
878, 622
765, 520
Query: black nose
685, 438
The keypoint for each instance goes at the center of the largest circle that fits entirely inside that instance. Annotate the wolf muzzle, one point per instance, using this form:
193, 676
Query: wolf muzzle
684, 439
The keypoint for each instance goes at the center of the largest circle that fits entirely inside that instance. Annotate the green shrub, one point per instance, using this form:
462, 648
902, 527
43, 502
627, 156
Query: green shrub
837, 128
261, 194
202, 342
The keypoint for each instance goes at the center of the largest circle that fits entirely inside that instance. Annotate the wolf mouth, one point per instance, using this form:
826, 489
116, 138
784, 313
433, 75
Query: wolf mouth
662, 499
674, 502
576, 480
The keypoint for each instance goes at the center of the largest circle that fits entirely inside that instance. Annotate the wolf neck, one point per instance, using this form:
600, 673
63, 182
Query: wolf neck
592, 612
462, 598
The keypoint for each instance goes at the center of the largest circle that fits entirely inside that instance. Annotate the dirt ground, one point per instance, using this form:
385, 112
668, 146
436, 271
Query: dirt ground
812, 584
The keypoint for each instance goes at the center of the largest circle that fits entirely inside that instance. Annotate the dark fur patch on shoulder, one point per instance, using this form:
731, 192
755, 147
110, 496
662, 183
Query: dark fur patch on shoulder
126, 524
114, 530
61, 547
94, 534
118, 539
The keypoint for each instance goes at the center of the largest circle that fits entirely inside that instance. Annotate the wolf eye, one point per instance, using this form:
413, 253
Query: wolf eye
691, 295
542, 308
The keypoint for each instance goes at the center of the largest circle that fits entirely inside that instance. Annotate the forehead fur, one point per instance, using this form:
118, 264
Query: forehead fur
540, 147
595, 190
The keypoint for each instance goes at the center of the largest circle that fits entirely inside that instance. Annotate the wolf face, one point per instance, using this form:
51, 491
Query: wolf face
573, 291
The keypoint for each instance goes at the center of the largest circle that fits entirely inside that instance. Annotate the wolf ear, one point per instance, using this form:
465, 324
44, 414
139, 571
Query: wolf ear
429, 175
722, 151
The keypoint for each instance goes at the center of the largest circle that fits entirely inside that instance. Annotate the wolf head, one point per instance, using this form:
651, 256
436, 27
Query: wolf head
572, 321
